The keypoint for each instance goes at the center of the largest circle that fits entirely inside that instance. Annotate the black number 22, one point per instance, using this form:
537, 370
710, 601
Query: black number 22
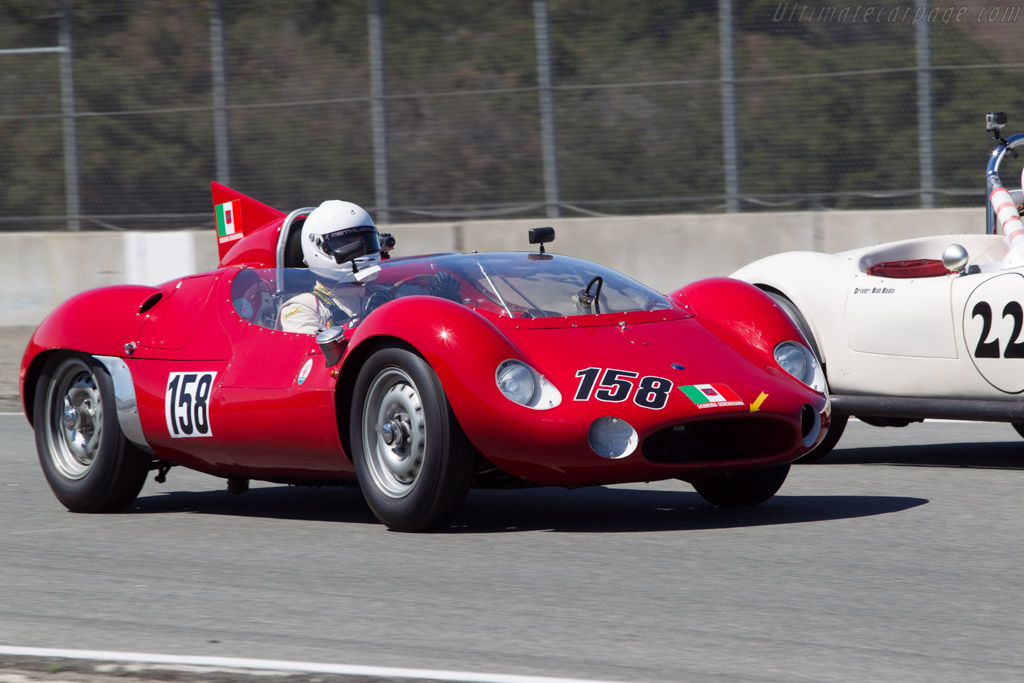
990, 349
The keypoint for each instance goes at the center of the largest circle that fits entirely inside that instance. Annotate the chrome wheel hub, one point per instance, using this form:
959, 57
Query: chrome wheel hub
70, 416
74, 418
394, 432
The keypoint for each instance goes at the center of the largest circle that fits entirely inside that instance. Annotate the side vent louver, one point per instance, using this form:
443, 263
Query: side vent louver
151, 302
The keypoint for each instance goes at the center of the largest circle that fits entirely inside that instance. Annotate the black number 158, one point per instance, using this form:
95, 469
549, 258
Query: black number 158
187, 404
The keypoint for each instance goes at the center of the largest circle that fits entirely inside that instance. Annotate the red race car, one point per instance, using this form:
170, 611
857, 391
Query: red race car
449, 371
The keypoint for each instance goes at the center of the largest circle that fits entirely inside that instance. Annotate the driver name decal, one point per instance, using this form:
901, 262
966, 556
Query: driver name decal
187, 404
615, 386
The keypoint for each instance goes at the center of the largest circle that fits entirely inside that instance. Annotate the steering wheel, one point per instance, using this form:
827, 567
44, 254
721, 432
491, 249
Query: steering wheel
443, 285
417, 278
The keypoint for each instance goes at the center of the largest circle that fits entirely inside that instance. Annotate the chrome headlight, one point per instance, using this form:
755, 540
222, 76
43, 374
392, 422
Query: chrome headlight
797, 360
521, 384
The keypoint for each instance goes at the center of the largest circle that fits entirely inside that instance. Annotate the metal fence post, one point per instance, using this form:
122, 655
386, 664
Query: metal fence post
924, 106
730, 151
547, 108
220, 96
67, 105
378, 111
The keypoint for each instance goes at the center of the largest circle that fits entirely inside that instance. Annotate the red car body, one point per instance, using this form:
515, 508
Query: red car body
189, 354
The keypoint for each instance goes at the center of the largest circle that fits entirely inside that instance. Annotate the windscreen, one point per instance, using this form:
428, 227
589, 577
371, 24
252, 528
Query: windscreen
516, 285
546, 286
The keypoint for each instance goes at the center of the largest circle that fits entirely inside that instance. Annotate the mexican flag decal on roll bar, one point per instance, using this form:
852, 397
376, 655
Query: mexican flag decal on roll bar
229, 221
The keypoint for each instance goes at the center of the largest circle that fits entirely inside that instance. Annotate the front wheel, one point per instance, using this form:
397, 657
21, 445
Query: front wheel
412, 460
746, 487
85, 457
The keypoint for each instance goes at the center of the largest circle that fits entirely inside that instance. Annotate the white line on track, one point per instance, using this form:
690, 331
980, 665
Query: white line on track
284, 666
852, 419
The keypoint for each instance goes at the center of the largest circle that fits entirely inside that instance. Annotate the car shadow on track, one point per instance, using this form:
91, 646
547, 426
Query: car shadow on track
321, 504
595, 509
991, 455
609, 510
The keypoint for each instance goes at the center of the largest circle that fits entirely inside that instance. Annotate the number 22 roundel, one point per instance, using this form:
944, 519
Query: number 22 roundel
994, 331
187, 404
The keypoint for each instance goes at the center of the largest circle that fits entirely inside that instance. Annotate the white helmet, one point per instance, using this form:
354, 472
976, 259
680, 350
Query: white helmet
331, 233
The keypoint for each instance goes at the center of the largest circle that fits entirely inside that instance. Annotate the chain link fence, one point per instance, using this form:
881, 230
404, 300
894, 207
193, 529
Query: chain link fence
116, 114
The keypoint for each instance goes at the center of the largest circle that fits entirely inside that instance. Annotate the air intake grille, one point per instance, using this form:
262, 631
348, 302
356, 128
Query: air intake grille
726, 439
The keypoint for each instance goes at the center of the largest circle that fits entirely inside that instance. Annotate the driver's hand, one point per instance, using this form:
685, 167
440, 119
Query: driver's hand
446, 286
375, 300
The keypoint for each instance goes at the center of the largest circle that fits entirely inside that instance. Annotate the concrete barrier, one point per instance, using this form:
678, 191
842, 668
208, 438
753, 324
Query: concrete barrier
39, 270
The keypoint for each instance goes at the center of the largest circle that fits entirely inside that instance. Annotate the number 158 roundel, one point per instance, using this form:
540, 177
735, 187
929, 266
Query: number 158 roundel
433, 374
187, 403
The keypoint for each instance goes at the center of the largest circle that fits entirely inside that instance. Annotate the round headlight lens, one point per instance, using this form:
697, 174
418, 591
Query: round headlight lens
797, 360
516, 382
790, 356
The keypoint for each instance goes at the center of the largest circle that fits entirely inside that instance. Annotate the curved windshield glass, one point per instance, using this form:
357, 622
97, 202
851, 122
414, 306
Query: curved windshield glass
513, 284
546, 286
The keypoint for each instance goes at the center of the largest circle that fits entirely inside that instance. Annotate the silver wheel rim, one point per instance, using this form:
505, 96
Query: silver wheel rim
394, 432
74, 418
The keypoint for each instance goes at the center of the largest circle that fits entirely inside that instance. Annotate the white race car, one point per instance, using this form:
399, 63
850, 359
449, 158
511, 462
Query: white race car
920, 328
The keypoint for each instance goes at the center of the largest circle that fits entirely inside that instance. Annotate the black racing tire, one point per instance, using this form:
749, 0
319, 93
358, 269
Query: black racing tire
88, 462
413, 462
837, 424
743, 488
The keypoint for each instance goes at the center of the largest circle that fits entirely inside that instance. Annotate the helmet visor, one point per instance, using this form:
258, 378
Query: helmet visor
337, 243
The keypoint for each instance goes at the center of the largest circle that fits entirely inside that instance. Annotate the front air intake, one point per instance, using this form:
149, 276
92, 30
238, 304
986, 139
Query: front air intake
810, 424
714, 440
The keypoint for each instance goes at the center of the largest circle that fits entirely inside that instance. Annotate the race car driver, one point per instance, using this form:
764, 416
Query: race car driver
329, 231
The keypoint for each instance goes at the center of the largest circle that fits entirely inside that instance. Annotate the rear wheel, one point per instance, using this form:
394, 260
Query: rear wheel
85, 457
838, 422
746, 487
412, 460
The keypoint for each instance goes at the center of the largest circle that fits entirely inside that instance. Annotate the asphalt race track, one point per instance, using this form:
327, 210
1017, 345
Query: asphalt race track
893, 559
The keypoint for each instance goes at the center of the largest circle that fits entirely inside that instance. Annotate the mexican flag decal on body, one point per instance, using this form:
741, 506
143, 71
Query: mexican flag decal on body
711, 396
229, 221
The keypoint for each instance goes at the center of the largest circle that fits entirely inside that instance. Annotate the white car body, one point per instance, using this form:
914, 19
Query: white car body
918, 328
910, 347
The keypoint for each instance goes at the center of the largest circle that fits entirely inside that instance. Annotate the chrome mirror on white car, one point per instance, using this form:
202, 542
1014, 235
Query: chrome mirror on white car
955, 258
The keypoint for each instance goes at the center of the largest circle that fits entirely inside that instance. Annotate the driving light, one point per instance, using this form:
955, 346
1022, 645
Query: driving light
797, 360
516, 381
521, 384
613, 438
